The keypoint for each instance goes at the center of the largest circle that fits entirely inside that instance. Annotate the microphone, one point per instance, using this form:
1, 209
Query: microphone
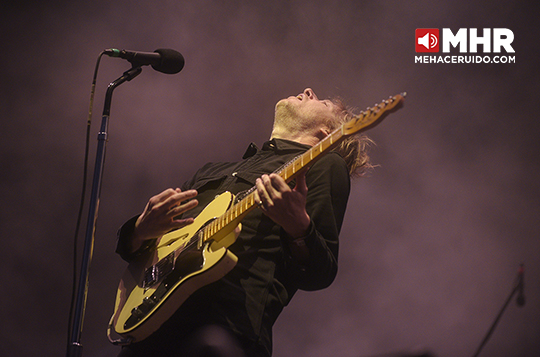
162, 60
521, 297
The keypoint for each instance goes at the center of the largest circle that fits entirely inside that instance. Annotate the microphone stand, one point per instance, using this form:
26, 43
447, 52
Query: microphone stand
520, 302
75, 347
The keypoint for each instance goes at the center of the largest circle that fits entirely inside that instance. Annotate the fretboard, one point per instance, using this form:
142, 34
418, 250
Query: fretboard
365, 120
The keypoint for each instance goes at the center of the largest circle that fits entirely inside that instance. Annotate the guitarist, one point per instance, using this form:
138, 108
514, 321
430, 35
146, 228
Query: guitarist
290, 243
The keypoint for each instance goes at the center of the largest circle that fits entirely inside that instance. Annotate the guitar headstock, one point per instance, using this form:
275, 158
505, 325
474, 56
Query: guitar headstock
374, 115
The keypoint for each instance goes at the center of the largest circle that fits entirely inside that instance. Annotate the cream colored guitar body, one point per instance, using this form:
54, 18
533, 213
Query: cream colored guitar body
156, 285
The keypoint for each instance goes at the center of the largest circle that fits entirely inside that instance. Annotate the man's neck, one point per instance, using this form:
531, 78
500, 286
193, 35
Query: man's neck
310, 139
302, 139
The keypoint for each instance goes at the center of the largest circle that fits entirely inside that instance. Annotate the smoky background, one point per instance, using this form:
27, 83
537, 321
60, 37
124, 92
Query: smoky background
432, 239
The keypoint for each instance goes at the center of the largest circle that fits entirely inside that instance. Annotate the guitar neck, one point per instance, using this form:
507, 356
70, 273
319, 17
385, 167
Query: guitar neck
365, 120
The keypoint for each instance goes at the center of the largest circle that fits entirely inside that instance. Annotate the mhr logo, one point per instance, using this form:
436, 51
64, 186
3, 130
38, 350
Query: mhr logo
429, 40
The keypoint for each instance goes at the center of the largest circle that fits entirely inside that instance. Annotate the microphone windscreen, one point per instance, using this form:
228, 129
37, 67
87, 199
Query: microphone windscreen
171, 61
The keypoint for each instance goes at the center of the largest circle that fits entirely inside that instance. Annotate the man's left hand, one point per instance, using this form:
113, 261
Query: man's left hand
285, 206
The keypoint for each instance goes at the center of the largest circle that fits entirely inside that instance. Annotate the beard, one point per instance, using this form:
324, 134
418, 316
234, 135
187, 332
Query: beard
293, 118
287, 118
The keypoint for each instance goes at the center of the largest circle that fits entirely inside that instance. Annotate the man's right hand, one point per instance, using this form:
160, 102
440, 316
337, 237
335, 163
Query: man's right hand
161, 213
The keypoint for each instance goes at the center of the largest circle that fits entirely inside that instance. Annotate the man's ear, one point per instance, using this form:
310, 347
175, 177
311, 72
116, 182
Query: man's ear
323, 133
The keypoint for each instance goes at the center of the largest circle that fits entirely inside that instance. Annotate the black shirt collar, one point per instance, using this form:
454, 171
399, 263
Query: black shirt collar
277, 145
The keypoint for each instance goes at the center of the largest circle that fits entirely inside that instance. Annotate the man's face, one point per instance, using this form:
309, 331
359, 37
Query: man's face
306, 111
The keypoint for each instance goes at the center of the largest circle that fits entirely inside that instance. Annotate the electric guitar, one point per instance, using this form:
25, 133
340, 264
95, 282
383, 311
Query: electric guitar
158, 282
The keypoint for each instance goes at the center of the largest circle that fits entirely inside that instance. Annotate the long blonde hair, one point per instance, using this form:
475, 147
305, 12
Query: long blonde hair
354, 149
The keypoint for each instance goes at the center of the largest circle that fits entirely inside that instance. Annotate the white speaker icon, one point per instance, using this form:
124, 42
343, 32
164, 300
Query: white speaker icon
428, 41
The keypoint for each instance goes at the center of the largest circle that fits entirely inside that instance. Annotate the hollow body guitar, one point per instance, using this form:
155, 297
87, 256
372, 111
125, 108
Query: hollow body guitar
159, 281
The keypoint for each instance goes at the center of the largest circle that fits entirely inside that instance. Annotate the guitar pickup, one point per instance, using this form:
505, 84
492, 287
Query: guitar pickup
139, 312
158, 271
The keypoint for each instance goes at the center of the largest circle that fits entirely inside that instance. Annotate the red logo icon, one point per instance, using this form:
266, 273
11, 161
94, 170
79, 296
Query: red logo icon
427, 40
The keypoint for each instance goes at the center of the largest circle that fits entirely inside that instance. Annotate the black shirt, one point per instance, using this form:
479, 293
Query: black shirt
249, 298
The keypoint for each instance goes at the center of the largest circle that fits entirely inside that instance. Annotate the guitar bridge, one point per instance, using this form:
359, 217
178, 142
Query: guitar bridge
158, 271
